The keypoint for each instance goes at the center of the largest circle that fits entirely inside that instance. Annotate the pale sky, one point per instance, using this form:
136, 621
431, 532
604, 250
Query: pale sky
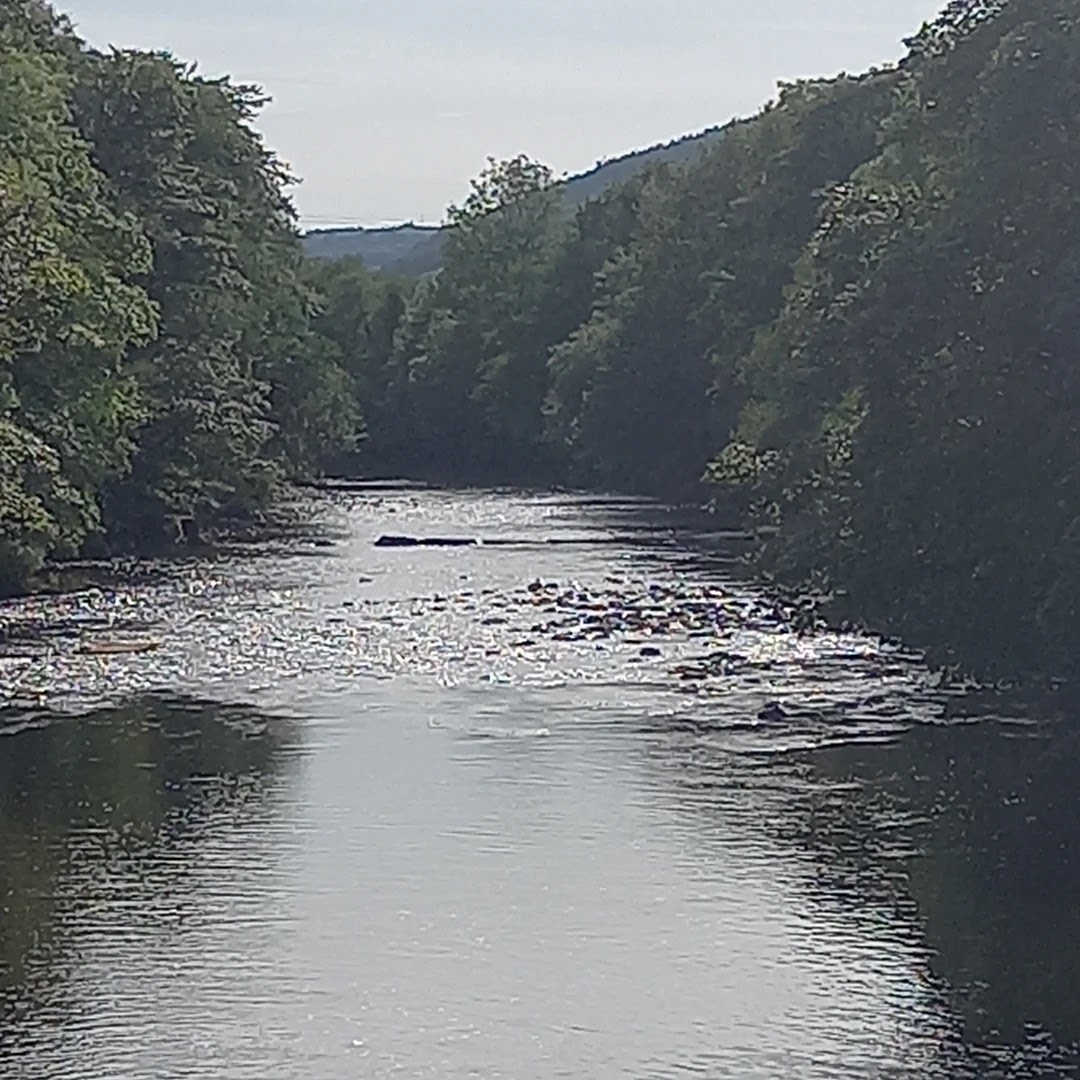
386, 108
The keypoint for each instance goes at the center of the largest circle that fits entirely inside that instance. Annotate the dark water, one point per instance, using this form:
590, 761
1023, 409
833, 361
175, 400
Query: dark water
379, 813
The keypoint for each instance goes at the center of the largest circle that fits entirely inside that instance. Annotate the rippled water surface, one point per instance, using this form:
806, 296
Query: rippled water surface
581, 804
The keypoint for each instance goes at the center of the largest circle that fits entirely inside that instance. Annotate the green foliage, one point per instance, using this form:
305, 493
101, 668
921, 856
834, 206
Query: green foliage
357, 316
157, 361
644, 392
470, 369
922, 373
226, 279
69, 309
604, 350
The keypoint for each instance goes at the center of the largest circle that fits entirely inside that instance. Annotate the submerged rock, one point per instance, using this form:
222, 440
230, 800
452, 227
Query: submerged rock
774, 711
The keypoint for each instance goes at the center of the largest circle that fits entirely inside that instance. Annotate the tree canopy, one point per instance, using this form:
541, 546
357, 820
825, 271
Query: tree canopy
911, 409
158, 367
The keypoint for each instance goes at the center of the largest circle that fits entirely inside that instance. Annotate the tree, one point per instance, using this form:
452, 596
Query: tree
475, 378
238, 397
68, 307
647, 389
920, 380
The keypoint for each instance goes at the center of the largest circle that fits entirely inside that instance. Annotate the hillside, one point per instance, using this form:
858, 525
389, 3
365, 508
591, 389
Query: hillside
416, 249
379, 248
607, 174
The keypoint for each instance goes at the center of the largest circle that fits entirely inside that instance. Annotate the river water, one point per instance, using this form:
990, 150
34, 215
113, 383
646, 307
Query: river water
581, 805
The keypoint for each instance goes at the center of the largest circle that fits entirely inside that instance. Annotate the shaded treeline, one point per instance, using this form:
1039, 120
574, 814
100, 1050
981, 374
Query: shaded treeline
854, 316
911, 423
601, 350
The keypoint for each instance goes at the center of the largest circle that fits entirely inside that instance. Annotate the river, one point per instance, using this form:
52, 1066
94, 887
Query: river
587, 805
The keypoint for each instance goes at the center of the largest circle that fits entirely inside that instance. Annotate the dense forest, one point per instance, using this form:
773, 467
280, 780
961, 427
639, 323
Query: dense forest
851, 318
855, 317
159, 370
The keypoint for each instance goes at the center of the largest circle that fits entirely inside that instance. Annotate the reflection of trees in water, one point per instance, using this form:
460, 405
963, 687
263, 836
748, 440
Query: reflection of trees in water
109, 788
701, 541
960, 838
980, 824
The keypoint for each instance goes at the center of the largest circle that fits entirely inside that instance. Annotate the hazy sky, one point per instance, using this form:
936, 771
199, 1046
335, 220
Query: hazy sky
385, 108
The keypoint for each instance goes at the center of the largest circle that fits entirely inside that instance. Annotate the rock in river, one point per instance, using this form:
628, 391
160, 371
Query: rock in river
424, 541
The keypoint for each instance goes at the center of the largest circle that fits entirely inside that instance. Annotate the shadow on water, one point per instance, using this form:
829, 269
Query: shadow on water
689, 539
87, 802
965, 827
964, 832
984, 818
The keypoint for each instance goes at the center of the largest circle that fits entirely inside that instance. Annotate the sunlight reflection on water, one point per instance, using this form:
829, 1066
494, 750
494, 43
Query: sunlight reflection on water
550, 810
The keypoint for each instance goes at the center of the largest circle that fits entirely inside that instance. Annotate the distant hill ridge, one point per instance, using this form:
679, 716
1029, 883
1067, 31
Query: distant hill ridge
386, 247
410, 248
